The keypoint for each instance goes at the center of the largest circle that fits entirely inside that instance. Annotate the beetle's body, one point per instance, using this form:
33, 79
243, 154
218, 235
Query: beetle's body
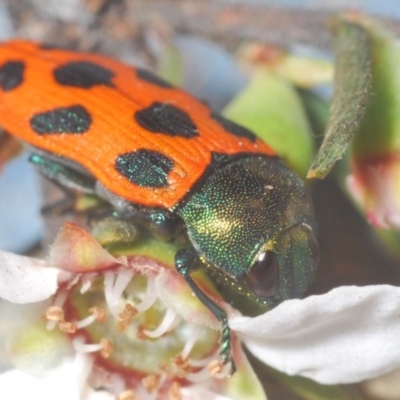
110, 98
146, 146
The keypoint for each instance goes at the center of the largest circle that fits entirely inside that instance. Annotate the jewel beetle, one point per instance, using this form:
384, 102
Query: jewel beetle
163, 159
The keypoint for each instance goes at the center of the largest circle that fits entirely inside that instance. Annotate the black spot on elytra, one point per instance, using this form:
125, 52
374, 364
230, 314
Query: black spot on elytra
166, 119
83, 74
11, 75
72, 120
146, 168
233, 128
146, 75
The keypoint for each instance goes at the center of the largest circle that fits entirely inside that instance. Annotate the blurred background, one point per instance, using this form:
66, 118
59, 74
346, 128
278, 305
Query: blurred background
199, 44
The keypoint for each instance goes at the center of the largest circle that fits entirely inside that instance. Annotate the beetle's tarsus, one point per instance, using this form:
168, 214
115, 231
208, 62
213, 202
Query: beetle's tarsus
226, 345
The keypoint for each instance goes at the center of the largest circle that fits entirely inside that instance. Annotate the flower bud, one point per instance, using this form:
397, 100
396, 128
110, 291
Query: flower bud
375, 160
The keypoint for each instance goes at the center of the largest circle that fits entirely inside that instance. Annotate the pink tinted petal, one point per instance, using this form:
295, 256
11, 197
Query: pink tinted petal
347, 335
76, 250
175, 293
25, 279
375, 185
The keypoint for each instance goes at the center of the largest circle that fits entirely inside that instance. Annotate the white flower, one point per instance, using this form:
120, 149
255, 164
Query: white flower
347, 335
118, 326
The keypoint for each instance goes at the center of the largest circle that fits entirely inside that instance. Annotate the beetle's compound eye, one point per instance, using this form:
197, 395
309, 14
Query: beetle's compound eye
263, 277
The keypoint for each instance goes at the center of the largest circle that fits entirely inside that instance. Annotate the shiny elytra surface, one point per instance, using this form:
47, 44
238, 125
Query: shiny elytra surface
105, 116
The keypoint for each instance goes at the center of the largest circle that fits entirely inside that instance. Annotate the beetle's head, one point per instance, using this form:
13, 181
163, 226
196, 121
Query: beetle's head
251, 219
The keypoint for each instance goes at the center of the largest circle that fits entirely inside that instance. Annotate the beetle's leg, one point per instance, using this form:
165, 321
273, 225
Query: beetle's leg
64, 178
62, 174
186, 261
164, 225
106, 224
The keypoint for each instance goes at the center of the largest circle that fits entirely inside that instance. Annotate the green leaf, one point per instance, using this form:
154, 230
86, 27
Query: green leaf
317, 110
303, 71
271, 107
352, 90
170, 66
379, 133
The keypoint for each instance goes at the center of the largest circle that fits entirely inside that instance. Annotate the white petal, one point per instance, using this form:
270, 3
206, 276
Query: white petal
200, 393
99, 395
69, 382
17, 385
25, 279
347, 335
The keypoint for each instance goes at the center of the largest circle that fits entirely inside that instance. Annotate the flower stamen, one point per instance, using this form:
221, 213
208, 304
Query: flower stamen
127, 395
219, 370
151, 382
181, 363
191, 342
114, 286
85, 322
174, 392
125, 317
150, 296
99, 313
55, 316
105, 347
67, 327
171, 319
55, 312
86, 282
215, 369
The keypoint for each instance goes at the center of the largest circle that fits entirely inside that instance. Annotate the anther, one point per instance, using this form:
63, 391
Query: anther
174, 392
182, 363
219, 370
55, 310
99, 313
67, 327
54, 313
107, 348
127, 395
125, 318
151, 382
214, 367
